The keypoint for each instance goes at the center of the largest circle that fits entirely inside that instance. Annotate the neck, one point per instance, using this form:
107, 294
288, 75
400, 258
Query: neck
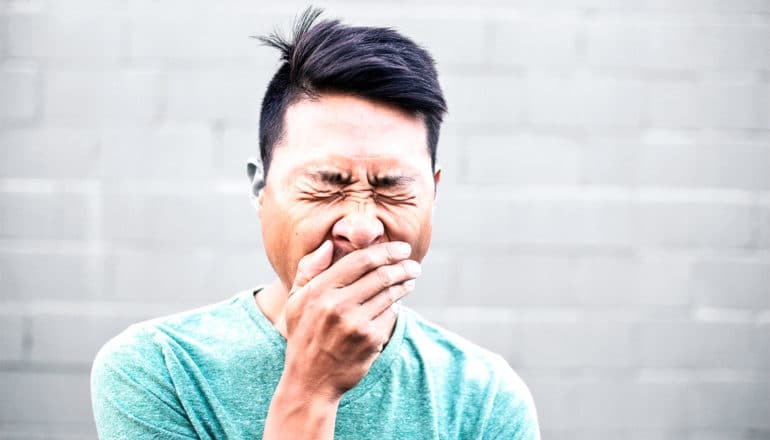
272, 301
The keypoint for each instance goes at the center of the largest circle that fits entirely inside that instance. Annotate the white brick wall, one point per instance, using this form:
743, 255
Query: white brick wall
603, 219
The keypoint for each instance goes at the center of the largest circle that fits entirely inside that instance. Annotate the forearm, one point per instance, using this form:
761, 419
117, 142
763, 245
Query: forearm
296, 413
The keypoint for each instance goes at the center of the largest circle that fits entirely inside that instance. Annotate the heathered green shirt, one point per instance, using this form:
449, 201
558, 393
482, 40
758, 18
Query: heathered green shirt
210, 373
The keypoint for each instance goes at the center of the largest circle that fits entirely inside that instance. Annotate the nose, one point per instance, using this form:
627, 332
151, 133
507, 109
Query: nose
359, 227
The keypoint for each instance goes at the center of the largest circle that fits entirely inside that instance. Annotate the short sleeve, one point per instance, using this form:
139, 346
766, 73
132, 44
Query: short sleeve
513, 415
132, 393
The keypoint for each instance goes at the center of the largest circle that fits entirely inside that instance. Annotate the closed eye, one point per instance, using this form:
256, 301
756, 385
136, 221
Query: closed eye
397, 199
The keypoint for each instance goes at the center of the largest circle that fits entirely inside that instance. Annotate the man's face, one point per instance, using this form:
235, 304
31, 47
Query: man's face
349, 170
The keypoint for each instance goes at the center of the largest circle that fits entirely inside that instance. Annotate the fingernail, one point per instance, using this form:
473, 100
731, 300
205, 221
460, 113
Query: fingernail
401, 249
409, 285
412, 267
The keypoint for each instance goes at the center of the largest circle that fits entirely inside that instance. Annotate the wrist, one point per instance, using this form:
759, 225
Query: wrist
298, 412
292, 389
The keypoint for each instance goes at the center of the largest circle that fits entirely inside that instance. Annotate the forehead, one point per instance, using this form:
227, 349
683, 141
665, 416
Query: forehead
348, 130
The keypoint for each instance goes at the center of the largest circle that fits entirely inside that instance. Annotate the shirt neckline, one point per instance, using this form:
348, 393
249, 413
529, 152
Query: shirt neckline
378, 369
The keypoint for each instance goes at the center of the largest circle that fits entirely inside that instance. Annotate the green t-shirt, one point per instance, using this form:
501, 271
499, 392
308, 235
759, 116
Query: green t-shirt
210, 373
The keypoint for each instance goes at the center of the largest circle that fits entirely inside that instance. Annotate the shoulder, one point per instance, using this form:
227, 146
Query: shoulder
505, 402
143, 346
447, 347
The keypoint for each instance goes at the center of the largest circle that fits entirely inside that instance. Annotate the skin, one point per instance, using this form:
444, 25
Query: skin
346, 215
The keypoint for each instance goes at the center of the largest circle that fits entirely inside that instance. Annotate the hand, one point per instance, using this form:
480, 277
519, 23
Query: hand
338, 318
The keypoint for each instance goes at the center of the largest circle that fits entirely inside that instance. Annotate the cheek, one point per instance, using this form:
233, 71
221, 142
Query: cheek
413, 226
290, 231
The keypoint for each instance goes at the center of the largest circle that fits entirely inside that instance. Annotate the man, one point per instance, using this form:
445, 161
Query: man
348, 135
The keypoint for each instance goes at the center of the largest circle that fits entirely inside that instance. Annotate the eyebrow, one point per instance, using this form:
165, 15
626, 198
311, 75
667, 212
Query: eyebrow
344, 179
390, 181
333, 177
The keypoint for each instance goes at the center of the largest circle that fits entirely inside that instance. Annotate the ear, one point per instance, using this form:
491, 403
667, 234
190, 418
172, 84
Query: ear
436, 180
256, 175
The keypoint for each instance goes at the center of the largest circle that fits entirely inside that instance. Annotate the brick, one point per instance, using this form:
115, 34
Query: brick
57, 398
762, 344
483, 99
742, 46
521, 160
239, 220
216, 95
438, 281
237, 271
206, 38
608, 404
730, 6
619, 7
708, 105
728, 405
65, 37
450, 158
32, 431
21, 94
722, 433
3, 36
696, 224
731, 283
11, 337
677, 46
609, 161
162, 218
73, 339
515, 280
477, 331
728, 165
765, 112
202, 217
31, 276
49, 152
647, 281
104, 98
166, 152
478, 220
45, 216
440, 36
608, 434
200, 276
672, 345
159, 277
647, 45
584, 102
572, 345
546, 42
764, 227
237, 145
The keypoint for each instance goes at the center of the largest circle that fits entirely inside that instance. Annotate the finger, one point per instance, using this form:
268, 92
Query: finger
354, 265
380, 279
382, 325
386, 298
311, 265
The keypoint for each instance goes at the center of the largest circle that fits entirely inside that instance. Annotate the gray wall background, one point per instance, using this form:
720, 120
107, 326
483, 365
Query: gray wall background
603, 219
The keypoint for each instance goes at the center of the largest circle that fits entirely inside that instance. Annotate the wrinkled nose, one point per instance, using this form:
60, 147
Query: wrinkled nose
359, 227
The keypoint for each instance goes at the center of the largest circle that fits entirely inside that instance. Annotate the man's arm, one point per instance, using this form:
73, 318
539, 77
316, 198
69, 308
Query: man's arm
338, 319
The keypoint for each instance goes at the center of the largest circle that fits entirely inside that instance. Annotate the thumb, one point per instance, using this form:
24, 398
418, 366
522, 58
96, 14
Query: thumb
311, 265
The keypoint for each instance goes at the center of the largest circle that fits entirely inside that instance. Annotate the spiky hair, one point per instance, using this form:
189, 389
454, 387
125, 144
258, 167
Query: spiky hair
375, 63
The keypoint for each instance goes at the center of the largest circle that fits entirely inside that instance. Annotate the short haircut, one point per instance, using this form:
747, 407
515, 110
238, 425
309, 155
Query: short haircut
370, 62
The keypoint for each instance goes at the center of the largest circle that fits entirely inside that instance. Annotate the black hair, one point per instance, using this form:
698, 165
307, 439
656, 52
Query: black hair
370, 62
